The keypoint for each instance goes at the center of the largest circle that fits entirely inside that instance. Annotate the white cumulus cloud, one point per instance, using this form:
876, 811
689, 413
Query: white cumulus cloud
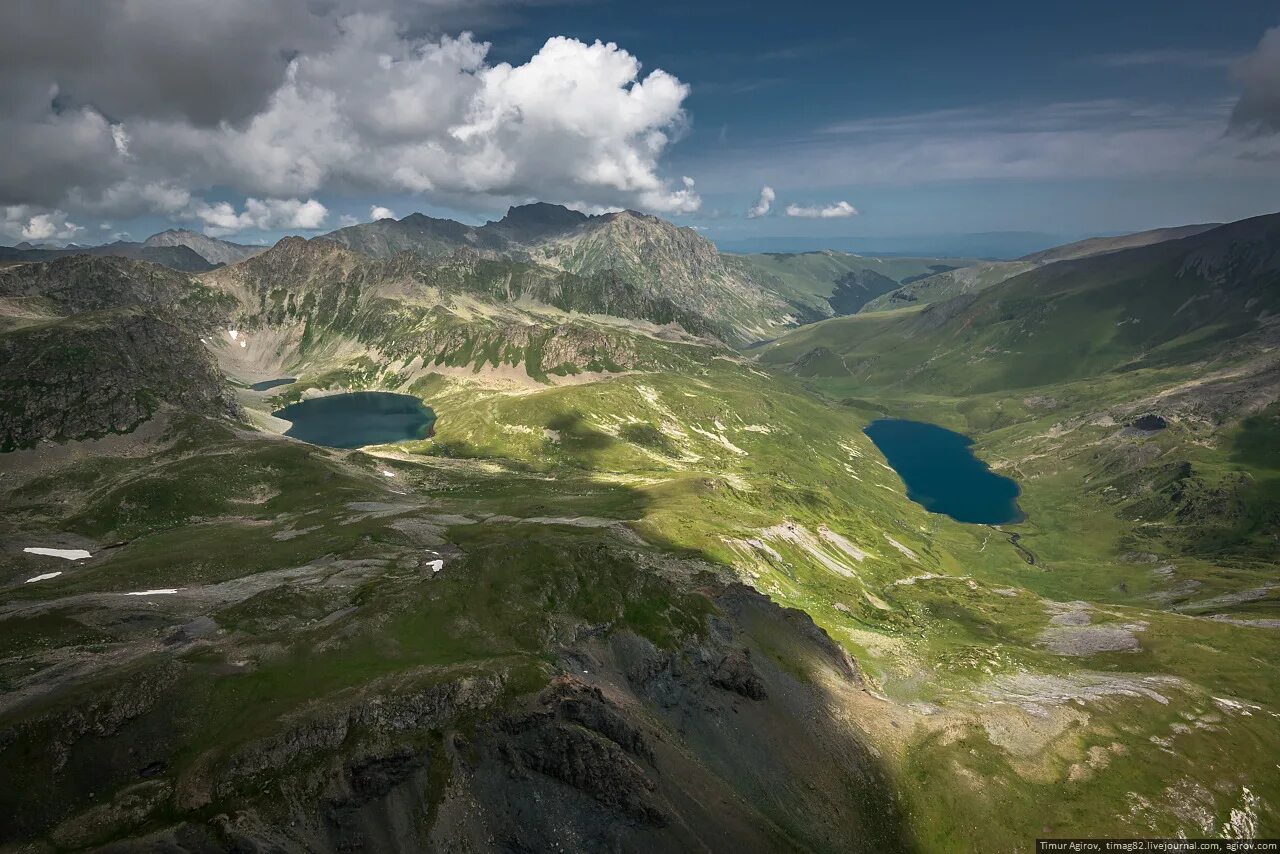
221, 218
833, 211
369, 110
26, 223
378, 212
762, 205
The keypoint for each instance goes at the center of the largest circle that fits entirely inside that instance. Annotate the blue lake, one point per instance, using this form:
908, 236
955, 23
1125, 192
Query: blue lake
943, 475
358, 418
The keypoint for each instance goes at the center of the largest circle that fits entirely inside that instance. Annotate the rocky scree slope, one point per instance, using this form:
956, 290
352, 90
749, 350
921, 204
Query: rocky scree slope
456, 310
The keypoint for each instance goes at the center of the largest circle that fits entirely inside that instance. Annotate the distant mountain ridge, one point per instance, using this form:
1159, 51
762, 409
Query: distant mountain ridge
662, 261
1101, 245
985, 274
212, 249
1167, 303
178, 249
175, 257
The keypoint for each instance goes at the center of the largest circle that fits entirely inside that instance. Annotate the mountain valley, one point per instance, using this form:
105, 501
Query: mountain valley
647, 584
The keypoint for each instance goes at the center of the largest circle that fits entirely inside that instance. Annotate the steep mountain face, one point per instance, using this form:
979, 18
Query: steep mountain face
96, 345
524, 225
656, 260
453, 311
101, 372
212, 249
663, 260
328, 283
416, 233
532, 223
181, 258
83, 283
607, 292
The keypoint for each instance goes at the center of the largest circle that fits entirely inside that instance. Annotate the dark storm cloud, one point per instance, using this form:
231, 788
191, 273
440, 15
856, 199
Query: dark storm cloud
207, 61
1257, 113
203, 61
127, 107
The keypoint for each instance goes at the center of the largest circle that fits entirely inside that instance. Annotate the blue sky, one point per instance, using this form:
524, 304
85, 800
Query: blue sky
926, 118
768, 80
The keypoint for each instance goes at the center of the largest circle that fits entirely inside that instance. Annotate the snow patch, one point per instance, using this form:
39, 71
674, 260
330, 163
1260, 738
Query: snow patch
163, 591
44, 576
67, 554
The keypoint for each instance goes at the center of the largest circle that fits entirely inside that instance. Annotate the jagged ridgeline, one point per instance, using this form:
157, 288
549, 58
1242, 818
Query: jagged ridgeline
656, 271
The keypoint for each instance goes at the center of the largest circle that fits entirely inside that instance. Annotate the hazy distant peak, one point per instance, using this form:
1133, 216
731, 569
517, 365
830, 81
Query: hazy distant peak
212, 249
1101, 245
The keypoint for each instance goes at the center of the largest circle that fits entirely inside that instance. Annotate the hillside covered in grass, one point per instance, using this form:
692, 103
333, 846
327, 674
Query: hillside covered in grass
641, 590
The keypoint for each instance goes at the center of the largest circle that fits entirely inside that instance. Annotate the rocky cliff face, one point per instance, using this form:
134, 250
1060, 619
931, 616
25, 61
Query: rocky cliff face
654, 260
84, 283
102, 343
98, 373
649, 749
674, 263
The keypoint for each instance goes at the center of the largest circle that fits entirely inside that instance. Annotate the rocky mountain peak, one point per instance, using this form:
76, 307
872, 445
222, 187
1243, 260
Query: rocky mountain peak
536, 221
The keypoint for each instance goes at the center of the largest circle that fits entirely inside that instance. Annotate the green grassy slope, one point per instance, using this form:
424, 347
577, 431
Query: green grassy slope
1192, 301
809, 279
1173, 528
948, 284
527, 626
723, 465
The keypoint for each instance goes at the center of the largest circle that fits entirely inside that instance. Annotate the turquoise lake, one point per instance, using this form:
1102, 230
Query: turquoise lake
943, 475
358, 418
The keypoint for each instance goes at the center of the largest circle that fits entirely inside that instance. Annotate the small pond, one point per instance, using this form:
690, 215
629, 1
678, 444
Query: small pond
358, 418
943, 475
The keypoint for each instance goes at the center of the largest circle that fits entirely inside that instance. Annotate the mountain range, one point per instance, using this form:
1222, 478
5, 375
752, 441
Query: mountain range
647, 585
177, 249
